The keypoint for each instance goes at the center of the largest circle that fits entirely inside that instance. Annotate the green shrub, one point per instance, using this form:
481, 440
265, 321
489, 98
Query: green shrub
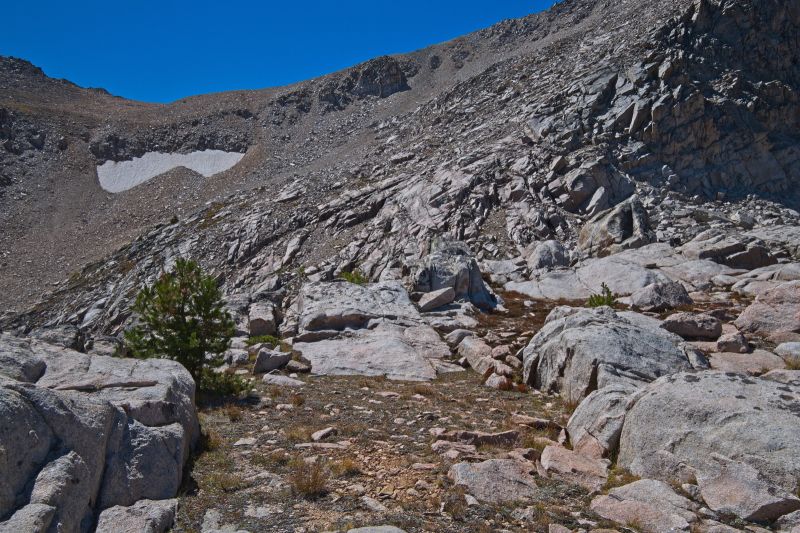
261, 339
604, 298
354, 277
181, 317
221, 383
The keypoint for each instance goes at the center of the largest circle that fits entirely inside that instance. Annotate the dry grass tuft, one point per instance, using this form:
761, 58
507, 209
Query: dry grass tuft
345, 467
233, 412
423, 389
454, 503
224, 481
210, 440
308, 480
270, 459
298, 400
299, 433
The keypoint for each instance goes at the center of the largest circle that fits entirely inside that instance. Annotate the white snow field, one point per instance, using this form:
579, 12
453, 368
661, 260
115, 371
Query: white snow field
118, 176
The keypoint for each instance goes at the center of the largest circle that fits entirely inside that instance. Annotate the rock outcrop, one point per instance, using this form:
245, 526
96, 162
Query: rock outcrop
711, 423
345, 328
88, 433
623, 226
451, 265
579, 351
775, 313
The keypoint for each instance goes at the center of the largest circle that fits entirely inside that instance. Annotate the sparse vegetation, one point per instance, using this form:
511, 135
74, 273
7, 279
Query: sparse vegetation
224, 481
263, 339
233, 412
299, 433
454, 503
308, 480
604, 298
618, 477
423, 389
298, 400
271, 459
223, 383
354, 277
345, 467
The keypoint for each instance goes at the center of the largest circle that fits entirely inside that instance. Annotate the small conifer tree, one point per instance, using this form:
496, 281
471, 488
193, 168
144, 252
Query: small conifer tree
182, 318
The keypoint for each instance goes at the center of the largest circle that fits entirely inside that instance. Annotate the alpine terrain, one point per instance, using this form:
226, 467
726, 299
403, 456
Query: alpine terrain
543, 277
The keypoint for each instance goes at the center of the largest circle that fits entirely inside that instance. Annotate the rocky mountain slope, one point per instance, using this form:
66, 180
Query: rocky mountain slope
651, 148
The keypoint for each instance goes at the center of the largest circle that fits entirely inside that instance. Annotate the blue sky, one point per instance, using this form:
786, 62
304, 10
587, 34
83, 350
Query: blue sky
162, 51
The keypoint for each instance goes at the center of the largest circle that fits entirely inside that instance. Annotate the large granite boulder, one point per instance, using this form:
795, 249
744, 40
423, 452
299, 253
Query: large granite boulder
349, 329
451, 265
145, 516
693, 326
581, 350
338, 305
621, 227
548, 254
691, 426
595, 425
775, 314
661, 296
649, 504
87, 433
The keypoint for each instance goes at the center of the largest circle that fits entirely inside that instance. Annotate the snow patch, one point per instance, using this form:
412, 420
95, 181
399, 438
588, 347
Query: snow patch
118, 176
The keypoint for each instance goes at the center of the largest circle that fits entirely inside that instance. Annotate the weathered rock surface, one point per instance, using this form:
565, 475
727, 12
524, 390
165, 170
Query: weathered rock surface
281, 381
145, 516
582, 350
747, 419
570, 466
623, 226
495, 480
451, 265
376, 529
548, 254
88, 432
661, 297
739, 489
434, 299
262, 319
649, 505
619, 272
389, 350
757, 362
595, 426
346, 329
269, 360
339, 305
775, 313
790, 352
693, 326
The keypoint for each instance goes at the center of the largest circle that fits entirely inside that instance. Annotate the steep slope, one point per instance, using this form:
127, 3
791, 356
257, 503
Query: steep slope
56, 218
555, 118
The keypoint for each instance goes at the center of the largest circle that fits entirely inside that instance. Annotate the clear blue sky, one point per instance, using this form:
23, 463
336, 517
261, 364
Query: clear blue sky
165, 50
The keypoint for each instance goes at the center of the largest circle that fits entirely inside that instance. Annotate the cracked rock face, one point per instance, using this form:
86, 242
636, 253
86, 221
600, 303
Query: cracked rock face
372, 330
578, 351
88, 433
748, 419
